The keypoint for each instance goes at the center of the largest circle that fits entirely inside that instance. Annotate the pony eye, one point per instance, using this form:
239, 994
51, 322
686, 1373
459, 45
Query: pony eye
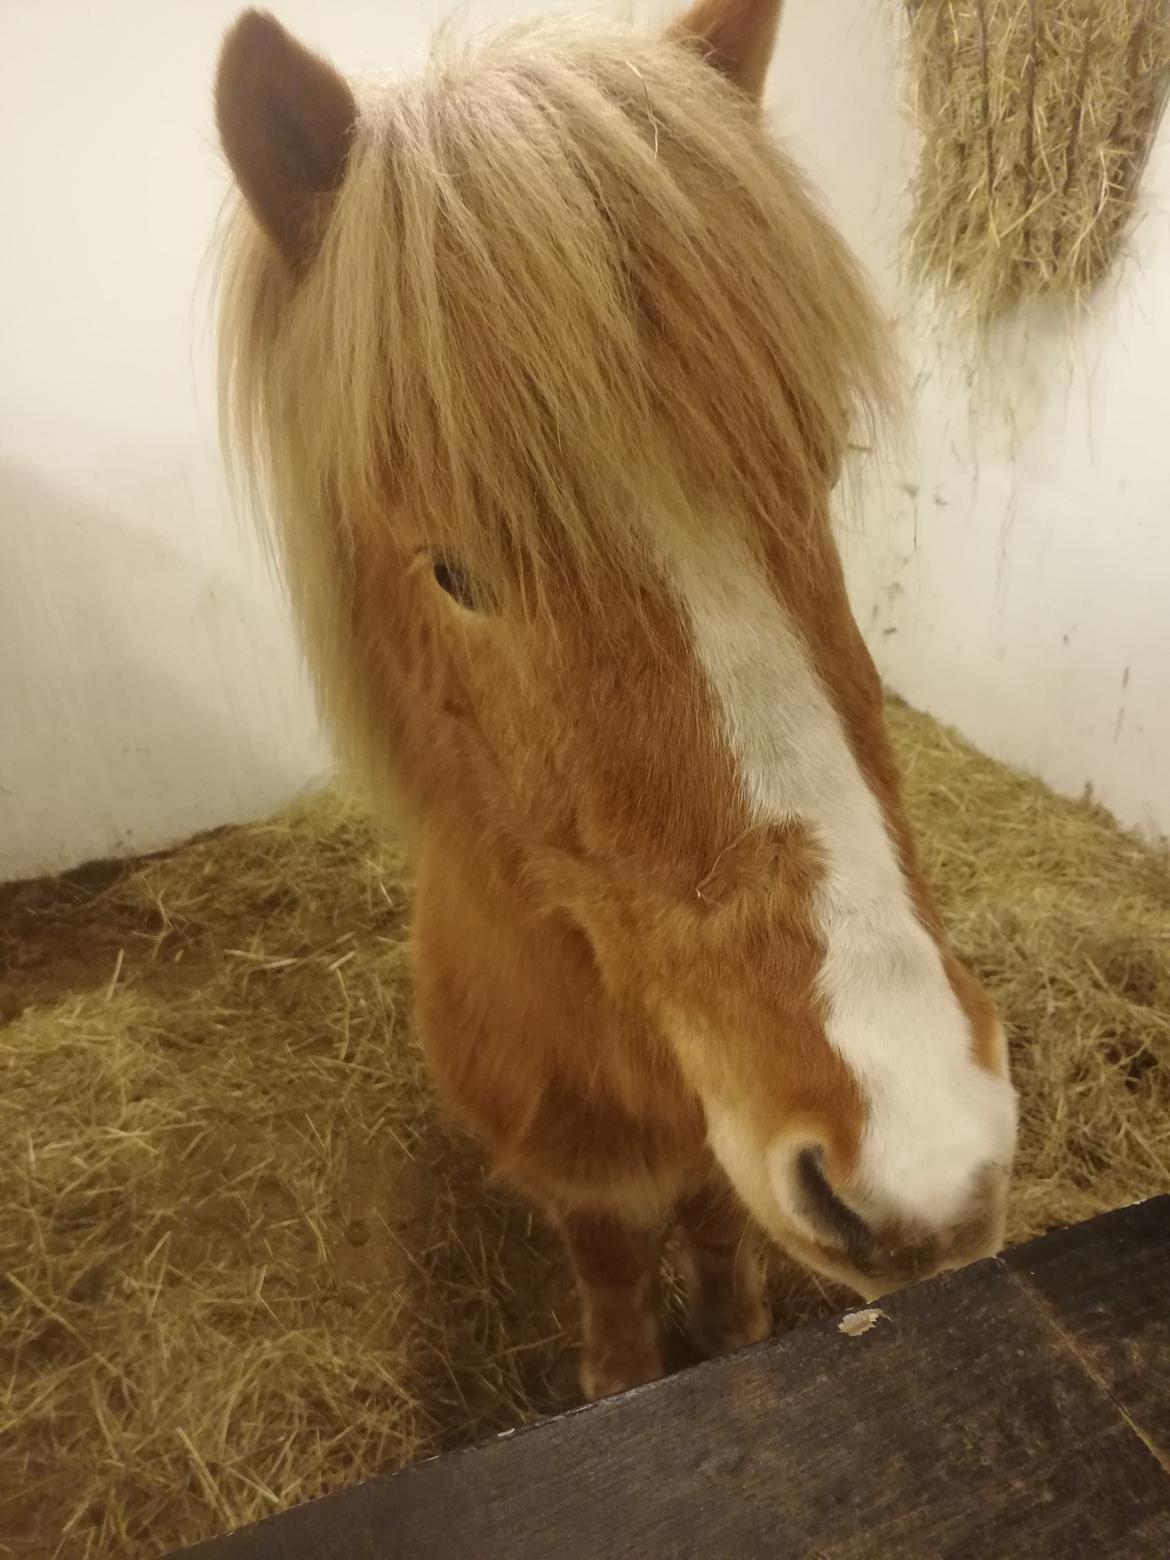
453, 579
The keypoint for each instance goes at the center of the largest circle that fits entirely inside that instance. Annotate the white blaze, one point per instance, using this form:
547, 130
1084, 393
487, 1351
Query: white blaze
935, 1117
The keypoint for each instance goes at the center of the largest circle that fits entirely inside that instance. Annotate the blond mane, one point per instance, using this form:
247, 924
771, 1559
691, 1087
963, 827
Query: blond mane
568, 281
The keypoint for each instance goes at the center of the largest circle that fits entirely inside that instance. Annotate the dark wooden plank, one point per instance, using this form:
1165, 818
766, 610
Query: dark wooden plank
964, 1424
1104, 1310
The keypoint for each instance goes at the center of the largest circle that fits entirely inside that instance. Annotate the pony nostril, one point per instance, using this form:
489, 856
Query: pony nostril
826, 1211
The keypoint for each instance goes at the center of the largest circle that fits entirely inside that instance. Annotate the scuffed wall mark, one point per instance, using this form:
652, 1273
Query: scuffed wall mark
882, 618
913, 492
1120, 722
1003, 551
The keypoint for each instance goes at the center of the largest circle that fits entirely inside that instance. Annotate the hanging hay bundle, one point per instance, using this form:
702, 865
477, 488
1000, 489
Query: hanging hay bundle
1037, 118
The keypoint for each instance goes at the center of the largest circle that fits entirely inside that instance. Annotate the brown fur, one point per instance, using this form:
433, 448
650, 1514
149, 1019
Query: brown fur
286, 120
564, 287
736, 36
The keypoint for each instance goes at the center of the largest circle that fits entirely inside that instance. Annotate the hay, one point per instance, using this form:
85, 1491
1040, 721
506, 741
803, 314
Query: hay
242, 1265
1037, 118
245, 1263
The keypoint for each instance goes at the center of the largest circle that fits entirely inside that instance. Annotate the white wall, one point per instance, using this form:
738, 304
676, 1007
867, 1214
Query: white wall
1013, 571
148, 682
149, 686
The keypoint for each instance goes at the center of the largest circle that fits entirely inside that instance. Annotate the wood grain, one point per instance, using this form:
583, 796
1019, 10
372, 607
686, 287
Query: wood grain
1019, 1408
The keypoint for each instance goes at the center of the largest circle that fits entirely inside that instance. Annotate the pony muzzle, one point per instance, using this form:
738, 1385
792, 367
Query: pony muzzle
840, 1232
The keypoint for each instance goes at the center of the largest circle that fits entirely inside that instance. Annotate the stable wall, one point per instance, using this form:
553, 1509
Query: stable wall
1011, 568
149, 684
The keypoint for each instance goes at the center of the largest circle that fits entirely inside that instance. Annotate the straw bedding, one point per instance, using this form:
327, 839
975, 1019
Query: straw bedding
1037, 118
244, 1263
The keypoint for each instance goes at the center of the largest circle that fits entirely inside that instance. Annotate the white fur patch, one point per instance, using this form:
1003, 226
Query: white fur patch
934, 1116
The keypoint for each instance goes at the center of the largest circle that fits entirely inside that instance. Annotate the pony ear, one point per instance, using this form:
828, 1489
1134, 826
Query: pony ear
737, 37
286, 122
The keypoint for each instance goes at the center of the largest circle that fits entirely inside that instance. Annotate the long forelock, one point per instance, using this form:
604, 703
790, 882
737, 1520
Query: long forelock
568, 282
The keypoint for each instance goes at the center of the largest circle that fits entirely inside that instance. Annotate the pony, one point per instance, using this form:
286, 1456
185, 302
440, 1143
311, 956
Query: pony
543, 367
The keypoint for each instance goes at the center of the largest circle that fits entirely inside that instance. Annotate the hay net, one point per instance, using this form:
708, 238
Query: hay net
1037, 118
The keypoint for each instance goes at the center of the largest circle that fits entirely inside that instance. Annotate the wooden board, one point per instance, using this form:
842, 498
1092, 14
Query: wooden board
1019, 1408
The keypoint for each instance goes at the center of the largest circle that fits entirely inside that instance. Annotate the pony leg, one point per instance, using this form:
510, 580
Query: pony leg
722, 1271
574, 1102
616, 1265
